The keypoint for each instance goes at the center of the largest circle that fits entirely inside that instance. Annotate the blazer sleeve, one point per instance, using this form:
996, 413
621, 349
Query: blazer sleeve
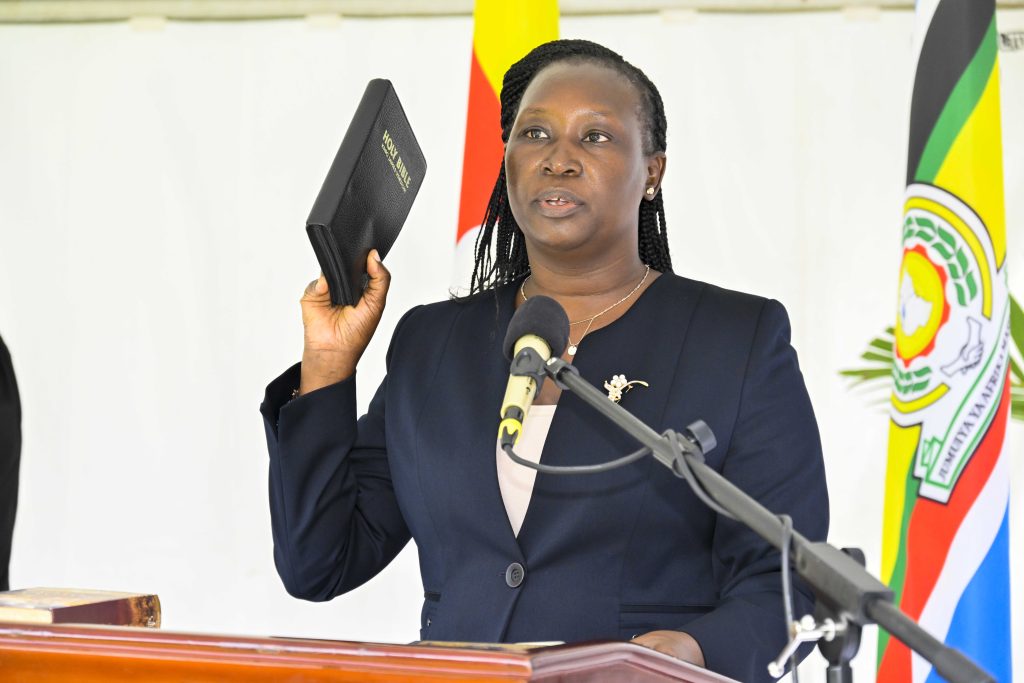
774, 456
334, 516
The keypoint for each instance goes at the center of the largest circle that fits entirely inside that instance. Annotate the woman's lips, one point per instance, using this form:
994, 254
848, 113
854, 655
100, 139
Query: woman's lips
557, 203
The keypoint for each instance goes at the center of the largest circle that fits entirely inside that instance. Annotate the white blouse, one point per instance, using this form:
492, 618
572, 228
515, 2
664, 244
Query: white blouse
514, 480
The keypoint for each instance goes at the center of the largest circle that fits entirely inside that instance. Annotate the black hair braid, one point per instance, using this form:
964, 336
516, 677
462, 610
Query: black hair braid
500, 247
653, 243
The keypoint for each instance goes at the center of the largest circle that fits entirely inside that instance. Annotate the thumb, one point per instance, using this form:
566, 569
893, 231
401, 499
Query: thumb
380, 280
380, 277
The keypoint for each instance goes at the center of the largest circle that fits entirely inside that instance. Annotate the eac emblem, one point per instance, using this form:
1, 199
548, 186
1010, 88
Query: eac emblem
951, 352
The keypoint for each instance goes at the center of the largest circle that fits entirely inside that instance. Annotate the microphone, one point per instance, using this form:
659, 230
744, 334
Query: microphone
539, 329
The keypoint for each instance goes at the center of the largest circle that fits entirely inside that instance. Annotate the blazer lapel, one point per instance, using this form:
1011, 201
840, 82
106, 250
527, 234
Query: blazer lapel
477, 368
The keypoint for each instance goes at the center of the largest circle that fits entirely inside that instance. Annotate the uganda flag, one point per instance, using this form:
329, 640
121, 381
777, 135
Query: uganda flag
503, 32
945, 550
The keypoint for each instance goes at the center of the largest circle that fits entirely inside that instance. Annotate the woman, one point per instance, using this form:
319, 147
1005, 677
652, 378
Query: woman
576, 215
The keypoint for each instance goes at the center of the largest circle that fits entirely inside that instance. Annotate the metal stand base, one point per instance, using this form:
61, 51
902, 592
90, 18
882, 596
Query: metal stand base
840, 650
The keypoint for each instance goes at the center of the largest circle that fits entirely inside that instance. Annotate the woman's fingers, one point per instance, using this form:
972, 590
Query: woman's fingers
675, 643
345, 329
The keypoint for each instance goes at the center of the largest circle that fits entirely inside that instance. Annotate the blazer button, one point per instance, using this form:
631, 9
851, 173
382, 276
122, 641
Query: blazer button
514, 575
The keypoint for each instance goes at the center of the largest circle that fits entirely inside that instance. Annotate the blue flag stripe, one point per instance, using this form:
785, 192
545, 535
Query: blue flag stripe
981, 621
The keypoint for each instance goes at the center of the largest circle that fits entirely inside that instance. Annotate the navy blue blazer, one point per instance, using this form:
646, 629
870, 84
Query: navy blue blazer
609, 555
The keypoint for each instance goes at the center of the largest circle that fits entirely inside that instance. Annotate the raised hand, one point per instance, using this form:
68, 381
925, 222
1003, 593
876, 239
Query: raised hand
336, 336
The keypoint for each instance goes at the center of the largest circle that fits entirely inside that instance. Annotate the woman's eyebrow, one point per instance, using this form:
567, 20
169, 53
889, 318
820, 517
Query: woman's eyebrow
540, 111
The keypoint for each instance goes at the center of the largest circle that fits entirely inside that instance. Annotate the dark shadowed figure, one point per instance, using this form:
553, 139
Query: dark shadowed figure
10, 457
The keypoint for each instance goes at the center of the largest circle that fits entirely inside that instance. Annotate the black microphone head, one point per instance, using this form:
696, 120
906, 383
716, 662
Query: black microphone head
541, 316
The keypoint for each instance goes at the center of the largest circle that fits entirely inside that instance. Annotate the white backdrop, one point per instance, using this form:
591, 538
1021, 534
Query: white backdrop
154, 182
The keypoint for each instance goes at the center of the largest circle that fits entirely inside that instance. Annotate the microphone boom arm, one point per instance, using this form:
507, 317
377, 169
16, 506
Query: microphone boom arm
837, 579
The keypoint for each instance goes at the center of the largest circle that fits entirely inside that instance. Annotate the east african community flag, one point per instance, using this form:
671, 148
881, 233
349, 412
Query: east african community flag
503, 32
946, 539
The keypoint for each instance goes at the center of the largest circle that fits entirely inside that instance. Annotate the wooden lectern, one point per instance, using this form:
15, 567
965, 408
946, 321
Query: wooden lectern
41, 653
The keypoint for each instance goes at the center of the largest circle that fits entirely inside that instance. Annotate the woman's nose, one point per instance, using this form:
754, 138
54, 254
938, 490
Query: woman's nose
561, 160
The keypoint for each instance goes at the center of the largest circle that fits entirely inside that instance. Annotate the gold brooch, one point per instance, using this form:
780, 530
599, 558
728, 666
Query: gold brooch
619, 385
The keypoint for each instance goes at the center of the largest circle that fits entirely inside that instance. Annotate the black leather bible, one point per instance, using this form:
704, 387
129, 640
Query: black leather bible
368, 192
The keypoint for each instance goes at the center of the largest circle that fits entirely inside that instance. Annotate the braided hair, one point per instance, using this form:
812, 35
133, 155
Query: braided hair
500, 247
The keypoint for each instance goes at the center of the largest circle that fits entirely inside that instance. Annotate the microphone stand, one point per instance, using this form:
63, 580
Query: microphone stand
849, 598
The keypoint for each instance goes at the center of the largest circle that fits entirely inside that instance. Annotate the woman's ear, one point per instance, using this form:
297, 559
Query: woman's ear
655, 174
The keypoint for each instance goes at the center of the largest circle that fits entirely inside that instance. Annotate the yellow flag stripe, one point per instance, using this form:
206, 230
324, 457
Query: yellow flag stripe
902, 447
900, 497
973, 168
505, 30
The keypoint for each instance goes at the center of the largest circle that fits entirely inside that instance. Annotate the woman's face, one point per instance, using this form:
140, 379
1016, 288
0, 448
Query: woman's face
575, 164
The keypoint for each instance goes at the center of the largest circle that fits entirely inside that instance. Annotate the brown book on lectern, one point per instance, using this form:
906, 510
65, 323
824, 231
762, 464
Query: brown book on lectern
79, 606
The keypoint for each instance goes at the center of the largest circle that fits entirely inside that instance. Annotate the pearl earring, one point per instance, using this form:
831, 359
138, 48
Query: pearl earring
650, 191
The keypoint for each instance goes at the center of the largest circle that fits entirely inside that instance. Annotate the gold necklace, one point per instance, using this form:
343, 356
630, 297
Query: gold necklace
574, 346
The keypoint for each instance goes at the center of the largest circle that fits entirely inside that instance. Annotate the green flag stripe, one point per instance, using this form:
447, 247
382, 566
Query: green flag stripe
954, 34
899, 572
959, 106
